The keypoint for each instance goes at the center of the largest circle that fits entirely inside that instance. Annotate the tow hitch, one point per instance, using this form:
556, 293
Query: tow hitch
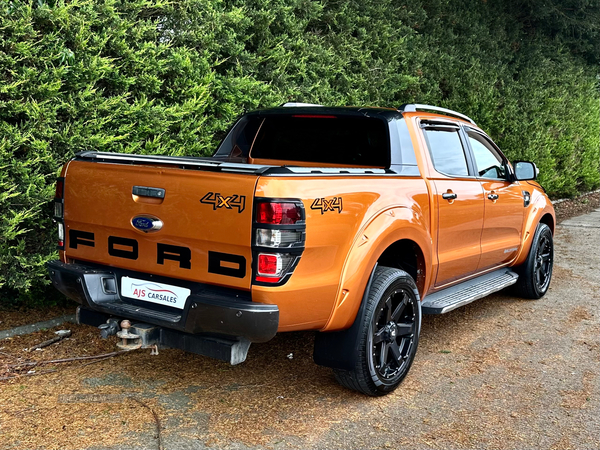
142, 335
132, 337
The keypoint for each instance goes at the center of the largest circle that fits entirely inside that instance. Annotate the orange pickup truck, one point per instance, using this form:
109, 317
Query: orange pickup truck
352, 222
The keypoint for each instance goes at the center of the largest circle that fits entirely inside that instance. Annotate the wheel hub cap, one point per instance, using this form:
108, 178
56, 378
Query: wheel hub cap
393, 330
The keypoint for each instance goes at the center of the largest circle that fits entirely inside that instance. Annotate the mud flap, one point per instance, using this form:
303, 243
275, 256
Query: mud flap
338, 349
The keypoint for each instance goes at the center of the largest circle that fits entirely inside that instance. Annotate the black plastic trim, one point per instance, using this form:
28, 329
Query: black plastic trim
209, 309
231, 350
213, 164
295, 250
144, 191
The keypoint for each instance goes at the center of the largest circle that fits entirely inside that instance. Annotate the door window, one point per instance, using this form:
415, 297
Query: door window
446, 151
489, 162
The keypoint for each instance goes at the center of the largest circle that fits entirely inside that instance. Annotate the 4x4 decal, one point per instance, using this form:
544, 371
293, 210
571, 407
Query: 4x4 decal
334, 204
230, 202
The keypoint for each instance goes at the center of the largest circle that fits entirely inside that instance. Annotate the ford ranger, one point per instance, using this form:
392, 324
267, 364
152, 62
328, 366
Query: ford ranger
349, 221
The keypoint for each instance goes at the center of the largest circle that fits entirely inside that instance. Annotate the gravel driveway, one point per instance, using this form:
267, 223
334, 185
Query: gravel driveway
501, 373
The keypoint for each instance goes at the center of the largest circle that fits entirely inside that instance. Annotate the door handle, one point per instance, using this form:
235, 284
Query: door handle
493, 197
449, 196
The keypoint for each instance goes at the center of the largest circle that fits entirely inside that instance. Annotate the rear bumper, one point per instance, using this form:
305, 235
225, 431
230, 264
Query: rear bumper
208, 310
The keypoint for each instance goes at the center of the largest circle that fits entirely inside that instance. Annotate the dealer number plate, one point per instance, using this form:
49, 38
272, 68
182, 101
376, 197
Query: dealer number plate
150, 291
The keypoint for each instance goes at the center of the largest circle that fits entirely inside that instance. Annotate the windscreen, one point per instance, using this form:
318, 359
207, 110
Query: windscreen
329, 139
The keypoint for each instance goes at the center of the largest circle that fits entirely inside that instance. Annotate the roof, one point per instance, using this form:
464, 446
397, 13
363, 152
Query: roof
369, 111
375, 112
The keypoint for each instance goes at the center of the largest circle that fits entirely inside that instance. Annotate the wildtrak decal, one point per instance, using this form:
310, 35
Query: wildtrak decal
218, 201
324, 205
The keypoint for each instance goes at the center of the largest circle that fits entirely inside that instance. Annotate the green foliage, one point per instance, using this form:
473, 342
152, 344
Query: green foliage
169, 77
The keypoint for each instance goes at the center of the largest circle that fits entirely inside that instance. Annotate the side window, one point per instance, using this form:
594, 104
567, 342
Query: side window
489, 162
446, 151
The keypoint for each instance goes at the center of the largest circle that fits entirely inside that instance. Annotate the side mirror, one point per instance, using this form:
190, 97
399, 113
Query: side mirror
525, 170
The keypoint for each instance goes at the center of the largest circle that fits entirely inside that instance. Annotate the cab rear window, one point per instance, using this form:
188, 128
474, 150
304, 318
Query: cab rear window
330, 139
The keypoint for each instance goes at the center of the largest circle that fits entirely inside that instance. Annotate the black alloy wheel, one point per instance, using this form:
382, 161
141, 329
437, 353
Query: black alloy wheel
388, 335
535, 273
543, 263
392, 336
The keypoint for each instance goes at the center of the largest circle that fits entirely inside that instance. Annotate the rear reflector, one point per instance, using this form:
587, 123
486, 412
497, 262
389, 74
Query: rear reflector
267, 279
278, 213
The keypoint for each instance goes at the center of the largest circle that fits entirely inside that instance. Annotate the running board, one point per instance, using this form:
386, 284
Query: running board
456, 296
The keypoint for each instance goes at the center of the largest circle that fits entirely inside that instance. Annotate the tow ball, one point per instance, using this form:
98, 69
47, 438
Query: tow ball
131, 336
129, 340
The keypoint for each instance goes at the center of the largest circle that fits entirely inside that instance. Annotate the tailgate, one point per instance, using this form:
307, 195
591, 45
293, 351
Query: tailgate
205, 220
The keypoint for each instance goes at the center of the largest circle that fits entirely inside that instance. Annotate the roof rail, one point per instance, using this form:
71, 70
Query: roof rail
294, 104
410, 107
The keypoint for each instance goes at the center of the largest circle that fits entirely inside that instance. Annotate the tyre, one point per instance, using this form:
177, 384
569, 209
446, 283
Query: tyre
388, 335
536, 272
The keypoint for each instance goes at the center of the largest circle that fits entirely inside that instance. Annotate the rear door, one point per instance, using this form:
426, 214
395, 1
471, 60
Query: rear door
204, 220
503, 212
459, 202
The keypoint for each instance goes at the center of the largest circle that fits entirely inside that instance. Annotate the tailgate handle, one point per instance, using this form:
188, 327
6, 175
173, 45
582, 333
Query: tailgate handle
143, 191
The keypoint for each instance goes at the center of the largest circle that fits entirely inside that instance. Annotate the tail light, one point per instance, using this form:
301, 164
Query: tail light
59, 211
278, 213
279, 232
272, 267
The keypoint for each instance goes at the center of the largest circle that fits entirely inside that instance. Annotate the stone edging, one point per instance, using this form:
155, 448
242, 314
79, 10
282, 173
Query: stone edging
560, 200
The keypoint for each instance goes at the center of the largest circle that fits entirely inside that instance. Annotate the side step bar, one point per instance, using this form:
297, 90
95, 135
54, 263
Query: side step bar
461, 294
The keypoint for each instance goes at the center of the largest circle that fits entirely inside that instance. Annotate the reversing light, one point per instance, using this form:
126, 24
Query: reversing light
277, 238
58, 210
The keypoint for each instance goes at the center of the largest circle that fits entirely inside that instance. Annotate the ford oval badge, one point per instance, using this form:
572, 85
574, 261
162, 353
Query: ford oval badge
146, 223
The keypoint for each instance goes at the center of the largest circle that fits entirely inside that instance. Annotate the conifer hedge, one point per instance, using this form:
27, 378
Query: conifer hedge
170, 76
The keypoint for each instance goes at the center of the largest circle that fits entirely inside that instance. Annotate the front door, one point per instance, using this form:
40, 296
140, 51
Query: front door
504, 208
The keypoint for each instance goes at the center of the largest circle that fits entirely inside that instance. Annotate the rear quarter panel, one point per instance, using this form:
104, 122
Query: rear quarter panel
332, 274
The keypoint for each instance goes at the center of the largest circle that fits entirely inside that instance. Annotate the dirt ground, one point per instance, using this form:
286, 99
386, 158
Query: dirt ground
500, 373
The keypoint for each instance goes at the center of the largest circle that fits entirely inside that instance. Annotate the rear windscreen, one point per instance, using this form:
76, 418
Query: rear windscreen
360, 141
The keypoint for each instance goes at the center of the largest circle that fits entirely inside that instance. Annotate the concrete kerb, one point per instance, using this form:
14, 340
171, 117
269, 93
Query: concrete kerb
32, 328
560, 200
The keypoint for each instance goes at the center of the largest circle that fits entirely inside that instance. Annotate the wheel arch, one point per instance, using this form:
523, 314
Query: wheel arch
382, 242
539, 211
548, 219
405, 254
